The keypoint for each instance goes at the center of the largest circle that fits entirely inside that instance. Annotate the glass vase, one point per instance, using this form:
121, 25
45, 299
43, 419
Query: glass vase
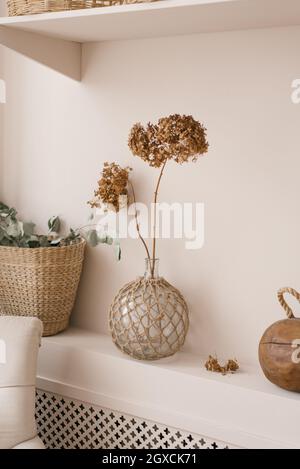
149, 317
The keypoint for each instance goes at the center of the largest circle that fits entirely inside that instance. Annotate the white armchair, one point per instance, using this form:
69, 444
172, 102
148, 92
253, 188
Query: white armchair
19, 344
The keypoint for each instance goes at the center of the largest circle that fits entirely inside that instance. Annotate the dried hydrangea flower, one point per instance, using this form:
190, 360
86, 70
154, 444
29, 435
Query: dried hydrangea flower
139, 141
111, 186
213, 365
178, 138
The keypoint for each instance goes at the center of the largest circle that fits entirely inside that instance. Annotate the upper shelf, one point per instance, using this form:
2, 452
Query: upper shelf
162, 18
54, 38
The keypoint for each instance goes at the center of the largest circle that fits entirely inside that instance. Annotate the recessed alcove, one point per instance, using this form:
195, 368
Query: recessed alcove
75, 83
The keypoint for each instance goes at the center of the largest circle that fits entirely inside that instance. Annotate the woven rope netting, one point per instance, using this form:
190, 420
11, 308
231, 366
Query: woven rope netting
149, 319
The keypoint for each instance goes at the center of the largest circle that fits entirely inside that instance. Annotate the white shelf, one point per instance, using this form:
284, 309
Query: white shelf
243, 409
162, 18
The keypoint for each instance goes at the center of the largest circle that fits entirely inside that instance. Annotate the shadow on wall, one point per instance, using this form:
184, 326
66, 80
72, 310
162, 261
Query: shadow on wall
2, 352
8, 163
2, 92
96, 289
62, 56
2, 102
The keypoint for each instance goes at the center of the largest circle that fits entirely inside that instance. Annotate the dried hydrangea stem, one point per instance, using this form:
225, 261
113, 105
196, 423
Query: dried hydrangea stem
154, 222
137, 223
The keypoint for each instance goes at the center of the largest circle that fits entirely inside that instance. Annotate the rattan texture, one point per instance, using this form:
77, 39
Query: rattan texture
41, 282
149, 319
32, 7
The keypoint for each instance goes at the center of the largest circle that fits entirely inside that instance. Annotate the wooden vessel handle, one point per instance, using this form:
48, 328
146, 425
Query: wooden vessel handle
283, 303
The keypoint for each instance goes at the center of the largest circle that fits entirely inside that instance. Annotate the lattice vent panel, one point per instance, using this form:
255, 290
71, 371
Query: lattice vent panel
64, 423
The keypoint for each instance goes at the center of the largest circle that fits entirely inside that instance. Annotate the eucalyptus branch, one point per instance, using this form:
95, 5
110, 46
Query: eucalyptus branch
78, 230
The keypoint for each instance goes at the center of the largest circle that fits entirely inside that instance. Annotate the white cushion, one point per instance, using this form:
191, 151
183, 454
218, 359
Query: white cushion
19, 344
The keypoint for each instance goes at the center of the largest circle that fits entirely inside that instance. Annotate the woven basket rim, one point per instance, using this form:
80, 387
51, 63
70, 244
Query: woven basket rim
81, 242
34, 7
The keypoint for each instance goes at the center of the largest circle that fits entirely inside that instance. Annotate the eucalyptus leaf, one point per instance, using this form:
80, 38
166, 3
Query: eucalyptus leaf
15, 229
23, 243
102, 239
6, 242
72, 237
28, 228
109, 241
12, 213
33, 243
44, 242
54, 225
105, 239
14, 232
3, 207
56, 242
118, 252
73, 233
92, 238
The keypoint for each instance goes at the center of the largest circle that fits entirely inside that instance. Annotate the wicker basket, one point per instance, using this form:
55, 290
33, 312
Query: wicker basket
41, 282
31, 7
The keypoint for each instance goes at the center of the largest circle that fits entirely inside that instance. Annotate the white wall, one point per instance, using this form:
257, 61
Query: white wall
59, 132
2, 12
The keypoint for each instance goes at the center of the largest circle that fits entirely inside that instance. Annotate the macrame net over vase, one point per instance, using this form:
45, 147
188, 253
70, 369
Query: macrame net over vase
149, 317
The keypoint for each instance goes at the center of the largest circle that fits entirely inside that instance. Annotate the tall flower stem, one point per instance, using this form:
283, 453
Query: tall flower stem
154, 221
137, 223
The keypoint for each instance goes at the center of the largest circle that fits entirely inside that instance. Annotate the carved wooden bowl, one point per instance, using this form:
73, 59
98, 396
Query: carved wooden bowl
279, 348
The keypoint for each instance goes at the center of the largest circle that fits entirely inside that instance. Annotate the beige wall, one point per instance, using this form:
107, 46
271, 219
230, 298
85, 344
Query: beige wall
57, 134
2, 12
